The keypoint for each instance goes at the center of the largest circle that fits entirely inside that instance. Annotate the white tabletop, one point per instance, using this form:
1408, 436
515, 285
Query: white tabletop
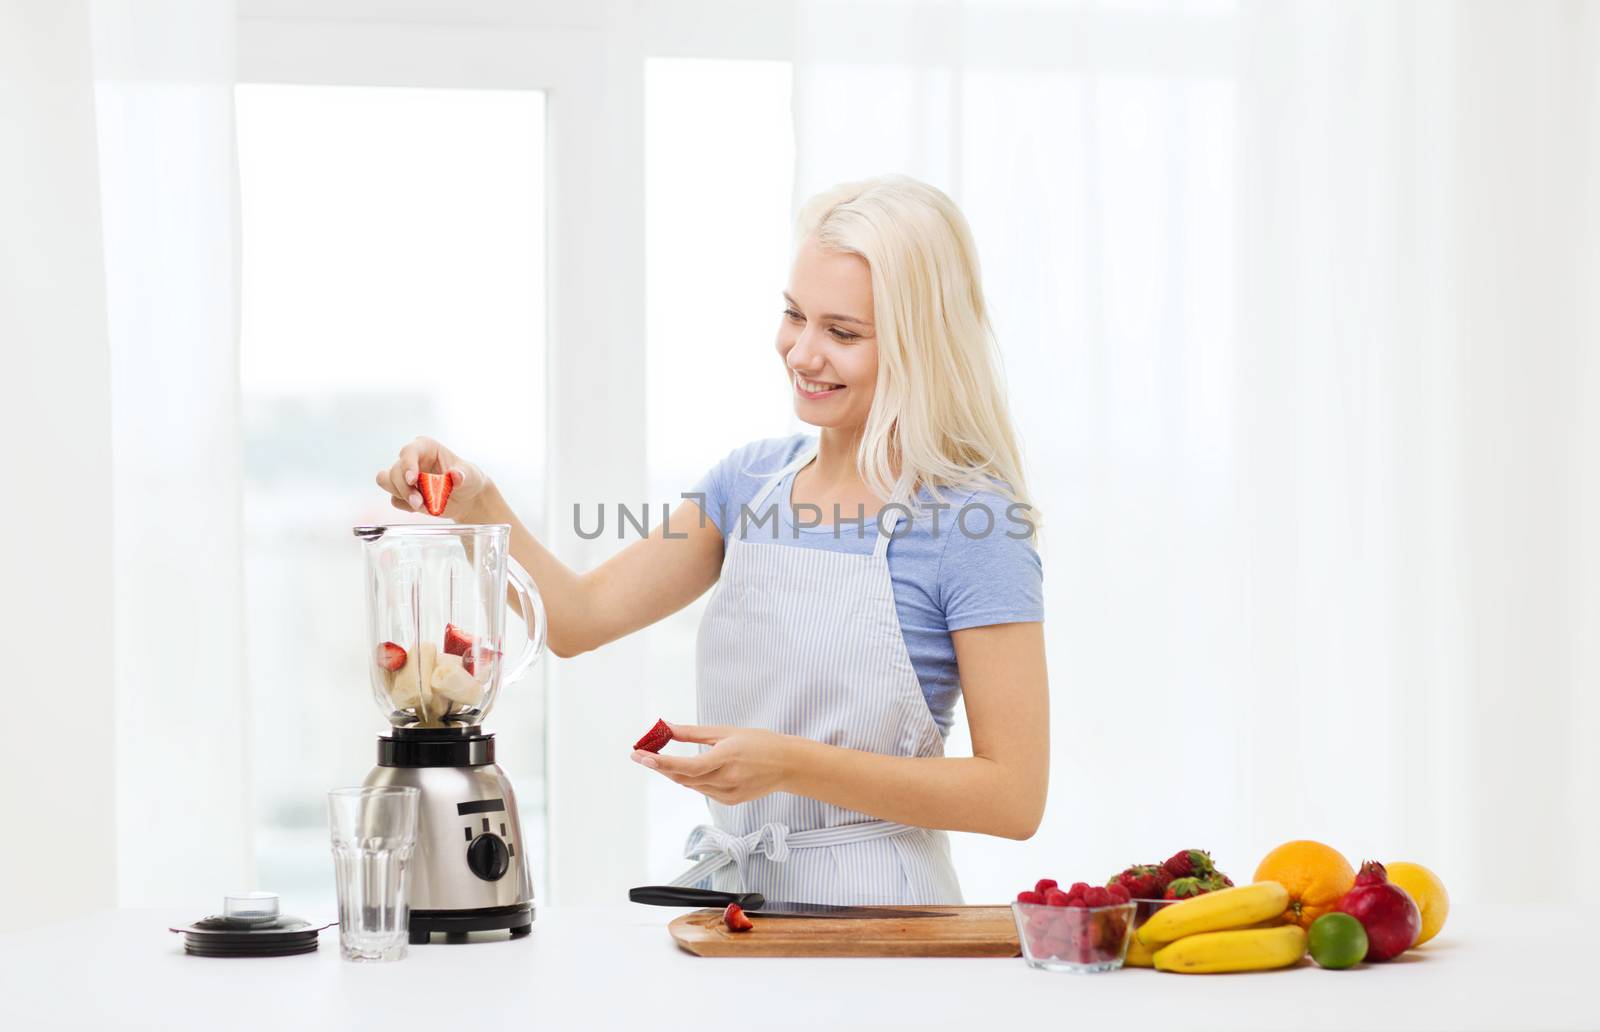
616, 967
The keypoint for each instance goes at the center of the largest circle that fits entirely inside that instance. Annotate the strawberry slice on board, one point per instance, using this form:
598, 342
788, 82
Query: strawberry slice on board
390, 656
734, 918
655, 738
435, 490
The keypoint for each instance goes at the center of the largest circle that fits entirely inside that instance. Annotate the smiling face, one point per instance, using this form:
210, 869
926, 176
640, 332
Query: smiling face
826, 338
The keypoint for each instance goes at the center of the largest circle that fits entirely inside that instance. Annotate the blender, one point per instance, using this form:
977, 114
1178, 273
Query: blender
436, 603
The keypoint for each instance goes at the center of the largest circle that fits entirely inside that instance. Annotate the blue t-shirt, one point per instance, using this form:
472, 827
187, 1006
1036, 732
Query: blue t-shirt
950, 569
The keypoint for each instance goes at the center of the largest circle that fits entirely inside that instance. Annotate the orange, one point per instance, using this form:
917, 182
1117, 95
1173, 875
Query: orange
1317, 876
1425, 888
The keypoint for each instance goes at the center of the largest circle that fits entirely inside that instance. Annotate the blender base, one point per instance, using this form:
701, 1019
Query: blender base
455, 924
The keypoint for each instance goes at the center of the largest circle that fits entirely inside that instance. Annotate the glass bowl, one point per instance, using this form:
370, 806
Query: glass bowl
1077, 939
1146, 909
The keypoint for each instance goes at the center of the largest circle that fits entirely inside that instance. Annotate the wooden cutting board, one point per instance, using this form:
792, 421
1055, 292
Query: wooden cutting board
966, 932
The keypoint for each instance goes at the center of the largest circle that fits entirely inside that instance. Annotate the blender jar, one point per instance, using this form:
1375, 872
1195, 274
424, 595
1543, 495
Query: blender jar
436, 604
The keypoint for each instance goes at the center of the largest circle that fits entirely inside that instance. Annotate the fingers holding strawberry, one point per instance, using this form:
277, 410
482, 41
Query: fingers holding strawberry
428, 477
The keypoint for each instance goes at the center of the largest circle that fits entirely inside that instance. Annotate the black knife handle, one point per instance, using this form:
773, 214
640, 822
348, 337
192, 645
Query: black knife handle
678, 896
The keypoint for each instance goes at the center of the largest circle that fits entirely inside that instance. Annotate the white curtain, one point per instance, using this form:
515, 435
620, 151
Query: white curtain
56, 766
168, 185
1297, 307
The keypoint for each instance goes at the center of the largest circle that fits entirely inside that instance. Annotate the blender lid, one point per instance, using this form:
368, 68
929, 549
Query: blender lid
373, 533
250, 926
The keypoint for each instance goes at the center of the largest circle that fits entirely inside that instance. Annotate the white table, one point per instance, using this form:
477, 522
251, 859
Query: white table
616, 967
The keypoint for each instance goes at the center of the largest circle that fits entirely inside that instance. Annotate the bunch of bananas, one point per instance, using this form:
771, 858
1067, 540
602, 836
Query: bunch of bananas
1236, 929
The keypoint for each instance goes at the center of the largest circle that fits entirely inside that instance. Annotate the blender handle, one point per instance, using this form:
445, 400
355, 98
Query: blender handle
532, 615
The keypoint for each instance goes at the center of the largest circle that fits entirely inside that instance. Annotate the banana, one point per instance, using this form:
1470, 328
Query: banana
1245, 949
1215, 911
451, 681
1139, 955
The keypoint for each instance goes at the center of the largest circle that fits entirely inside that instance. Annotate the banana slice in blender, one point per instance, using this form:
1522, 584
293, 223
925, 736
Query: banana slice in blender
451, 681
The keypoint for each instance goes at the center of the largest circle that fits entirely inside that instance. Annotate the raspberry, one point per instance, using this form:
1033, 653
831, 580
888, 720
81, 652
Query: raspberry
1036, 898
1097, 897
1077, 901
1079, 887
1045, 883
1118, 893
1055, 898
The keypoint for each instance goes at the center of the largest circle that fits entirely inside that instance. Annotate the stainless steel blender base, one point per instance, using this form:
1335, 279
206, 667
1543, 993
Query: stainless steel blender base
470, 870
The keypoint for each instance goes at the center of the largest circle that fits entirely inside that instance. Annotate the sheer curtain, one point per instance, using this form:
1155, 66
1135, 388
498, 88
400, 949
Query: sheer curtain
168, 187
1291, 302
54, 547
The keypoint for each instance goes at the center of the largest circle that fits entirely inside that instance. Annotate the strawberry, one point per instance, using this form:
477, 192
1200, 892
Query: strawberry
1027, 896
391, 656
469, 660
734, 918
435, 491
456, 641
1190, 863
1183, 888
1143, 881
655, 738
1045, 883
1216, 880
459, 643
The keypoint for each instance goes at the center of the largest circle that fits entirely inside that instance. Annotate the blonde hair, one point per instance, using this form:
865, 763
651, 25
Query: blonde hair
939, 416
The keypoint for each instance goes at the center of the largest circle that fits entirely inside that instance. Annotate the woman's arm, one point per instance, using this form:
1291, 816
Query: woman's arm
650, 579
999, 790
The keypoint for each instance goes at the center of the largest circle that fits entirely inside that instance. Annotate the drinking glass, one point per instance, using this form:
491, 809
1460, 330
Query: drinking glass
374, 831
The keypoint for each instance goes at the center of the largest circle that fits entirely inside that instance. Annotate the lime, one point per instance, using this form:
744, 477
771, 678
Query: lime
1337, 941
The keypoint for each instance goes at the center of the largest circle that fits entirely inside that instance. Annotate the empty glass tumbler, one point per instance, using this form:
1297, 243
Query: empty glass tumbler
373, 832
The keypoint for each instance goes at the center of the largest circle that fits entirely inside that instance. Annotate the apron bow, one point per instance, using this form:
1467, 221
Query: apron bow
714, 849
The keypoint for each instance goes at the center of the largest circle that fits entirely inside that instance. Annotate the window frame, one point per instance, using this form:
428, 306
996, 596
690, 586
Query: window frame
592, 75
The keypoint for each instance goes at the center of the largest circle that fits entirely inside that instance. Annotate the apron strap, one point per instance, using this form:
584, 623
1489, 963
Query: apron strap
886, 526
887, 523
714, 849
773, 481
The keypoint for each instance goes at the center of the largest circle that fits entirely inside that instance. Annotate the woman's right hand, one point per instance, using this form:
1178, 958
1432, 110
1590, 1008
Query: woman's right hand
468, 484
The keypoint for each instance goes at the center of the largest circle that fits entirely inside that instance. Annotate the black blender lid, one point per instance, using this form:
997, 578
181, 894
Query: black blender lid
250, 926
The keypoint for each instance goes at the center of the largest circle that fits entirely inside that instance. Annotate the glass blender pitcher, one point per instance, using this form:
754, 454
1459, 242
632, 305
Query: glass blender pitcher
436, 603
436, 606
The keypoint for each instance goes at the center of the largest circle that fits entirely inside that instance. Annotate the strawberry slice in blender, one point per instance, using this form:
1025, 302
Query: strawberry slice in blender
655, 738
456, 641
390, 656
459, 643
435, 491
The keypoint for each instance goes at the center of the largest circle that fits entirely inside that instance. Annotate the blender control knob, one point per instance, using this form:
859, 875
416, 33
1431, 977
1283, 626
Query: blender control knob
488, 857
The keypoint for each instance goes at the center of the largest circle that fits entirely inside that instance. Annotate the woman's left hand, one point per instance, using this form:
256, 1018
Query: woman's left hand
742, 763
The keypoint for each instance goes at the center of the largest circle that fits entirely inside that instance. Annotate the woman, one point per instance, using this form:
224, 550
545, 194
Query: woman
867, 577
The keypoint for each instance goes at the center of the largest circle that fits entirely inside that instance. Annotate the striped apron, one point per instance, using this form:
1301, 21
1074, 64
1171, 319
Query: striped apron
807, 642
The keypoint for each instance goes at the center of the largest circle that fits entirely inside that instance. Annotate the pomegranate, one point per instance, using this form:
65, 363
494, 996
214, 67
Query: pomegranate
1385, 910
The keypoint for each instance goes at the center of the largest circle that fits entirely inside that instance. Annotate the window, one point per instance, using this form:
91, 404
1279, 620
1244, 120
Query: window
393, 285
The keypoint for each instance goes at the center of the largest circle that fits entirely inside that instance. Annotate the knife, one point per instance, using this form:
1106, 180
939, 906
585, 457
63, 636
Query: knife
759, 905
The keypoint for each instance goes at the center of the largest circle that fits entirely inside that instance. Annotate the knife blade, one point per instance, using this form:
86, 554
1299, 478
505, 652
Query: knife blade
758, 905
